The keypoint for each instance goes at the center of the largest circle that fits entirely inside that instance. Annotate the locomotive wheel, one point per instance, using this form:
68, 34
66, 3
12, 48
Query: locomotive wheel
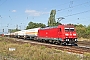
51, 41
64, 43
24, 37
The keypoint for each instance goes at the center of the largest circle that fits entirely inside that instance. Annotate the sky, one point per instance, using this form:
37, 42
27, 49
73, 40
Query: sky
19, 13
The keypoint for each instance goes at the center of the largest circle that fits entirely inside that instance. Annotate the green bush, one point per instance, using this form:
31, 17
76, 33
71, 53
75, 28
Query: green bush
83, 31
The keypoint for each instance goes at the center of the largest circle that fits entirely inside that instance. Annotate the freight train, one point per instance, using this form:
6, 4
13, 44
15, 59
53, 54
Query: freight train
61, 34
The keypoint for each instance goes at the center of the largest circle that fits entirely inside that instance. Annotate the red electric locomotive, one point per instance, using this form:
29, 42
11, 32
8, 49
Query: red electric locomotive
61, 34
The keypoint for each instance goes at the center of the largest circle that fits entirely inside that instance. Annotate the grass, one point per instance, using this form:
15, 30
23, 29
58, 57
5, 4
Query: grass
83, 39
27, 51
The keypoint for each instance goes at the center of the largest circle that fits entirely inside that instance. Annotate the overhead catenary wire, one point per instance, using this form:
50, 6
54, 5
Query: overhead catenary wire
73, 6
0, 16
78, 13
3, 3
70, 6
10, 17
60, 4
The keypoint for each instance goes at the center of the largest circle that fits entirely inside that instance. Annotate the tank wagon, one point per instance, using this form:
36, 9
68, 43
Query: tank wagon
31, 33
61, 34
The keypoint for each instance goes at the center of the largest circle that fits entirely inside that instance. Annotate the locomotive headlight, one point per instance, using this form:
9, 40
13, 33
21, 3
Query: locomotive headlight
68, 39
75, 39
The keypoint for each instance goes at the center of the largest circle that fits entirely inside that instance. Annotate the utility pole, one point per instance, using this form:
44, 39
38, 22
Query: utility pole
17, 27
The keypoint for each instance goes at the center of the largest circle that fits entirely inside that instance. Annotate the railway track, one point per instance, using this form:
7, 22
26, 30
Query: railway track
84, 43
73, 49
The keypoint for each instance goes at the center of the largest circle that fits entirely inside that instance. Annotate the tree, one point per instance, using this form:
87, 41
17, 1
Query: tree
51, 21
81, 30
88, 31
35, 25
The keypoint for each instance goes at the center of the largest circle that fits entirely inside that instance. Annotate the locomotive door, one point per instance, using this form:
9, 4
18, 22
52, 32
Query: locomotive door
59, 33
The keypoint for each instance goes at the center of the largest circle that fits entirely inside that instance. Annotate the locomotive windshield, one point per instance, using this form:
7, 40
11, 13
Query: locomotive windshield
69, 29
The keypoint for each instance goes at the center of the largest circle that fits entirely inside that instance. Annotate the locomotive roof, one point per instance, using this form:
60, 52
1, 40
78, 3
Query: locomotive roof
69, 26
66, 26
48, 27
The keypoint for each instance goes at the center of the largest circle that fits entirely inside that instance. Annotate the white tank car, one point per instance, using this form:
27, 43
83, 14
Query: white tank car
7, 35
16, 34
21, 34
12, 34
31, 33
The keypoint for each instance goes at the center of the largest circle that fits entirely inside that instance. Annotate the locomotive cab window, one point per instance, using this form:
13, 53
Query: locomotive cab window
66, 29
71, 29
